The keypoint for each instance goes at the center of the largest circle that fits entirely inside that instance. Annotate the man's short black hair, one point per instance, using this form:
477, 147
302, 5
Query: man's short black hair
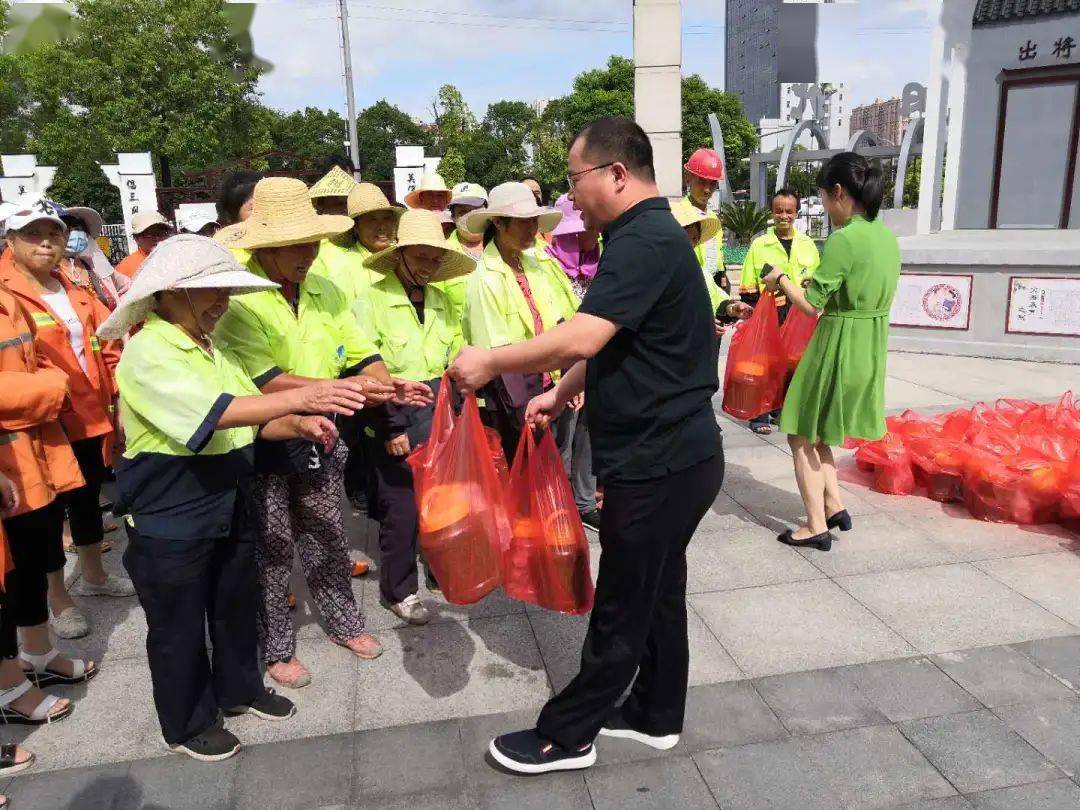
617, 139
787, 192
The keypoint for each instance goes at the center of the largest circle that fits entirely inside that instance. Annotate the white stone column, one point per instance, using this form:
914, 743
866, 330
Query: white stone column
658, 86
133, 175
22, 175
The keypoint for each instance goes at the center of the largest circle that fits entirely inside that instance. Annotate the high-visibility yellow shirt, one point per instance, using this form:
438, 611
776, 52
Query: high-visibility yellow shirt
766, 249
411, 350
344, 267
455, 287
496, 312
320, 339
710, 256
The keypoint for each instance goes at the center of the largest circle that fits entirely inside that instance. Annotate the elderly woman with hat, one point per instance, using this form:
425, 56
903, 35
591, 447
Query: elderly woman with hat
84, 263
431, 195
192, 414
513, 297
418, 332
302, 333
330, 193
701, 227
466, 198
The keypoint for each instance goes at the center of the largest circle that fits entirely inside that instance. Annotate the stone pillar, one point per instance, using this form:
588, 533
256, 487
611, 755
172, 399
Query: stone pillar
22, 175
133, 175
658, 86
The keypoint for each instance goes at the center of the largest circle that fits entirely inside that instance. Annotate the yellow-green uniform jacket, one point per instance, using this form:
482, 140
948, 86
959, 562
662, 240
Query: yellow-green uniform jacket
766, 249
321, 339
455, 287
496, 312
710, 256
344, 266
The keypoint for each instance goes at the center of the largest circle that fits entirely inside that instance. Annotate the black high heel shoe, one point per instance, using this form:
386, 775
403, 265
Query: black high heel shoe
841, 520
821, 541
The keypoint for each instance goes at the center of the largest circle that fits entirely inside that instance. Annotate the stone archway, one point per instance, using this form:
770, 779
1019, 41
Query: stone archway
785, 157
913, 135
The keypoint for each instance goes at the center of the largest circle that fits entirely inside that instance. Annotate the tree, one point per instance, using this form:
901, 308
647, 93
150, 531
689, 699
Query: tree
498, 149
740, 137
312, 133
143, 75
379, 129
452, 167
454, 121
595, 94
14, 126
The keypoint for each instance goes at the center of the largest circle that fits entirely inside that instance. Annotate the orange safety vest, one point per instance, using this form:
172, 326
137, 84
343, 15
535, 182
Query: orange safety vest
93, 392
34, 451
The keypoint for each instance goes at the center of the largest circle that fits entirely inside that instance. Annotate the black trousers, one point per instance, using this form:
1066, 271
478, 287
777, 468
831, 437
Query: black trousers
36, 540
184, 587
638, 622
394, 507
83, 504
9, 634
358, 467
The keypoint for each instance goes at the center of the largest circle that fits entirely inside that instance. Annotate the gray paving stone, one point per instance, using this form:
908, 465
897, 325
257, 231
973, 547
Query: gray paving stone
1060, 656
1057, 795
559, 638
864, 767
1053, 728
305, 773
796, 626
394, 762
999, 676
444, 799
179, 782
672, 783
725, 560
727, 715
536, 794
1051, 580
817, 701
775, 502
948, 803
977, 751
951, 607
953, 528
75, 787
909, 688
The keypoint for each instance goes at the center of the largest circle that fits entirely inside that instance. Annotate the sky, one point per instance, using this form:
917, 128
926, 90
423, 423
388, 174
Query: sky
404, 50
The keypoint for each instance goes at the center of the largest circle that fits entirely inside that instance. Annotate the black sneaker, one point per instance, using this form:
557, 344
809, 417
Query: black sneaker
213, 745
616, 726
591, 520
528, 752
269, 706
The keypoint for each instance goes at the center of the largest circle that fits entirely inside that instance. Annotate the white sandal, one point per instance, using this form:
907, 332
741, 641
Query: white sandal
41, 675
39, 717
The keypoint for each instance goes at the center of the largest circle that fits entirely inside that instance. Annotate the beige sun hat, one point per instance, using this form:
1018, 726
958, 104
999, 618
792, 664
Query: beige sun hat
422, 227
367, 198
687, 214
186, 261
335, 183
431, 181
512, 200
282, 215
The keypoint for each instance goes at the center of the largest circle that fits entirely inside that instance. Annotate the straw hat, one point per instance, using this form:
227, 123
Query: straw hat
431, 181
282, 215
686, 214
367, 198
572, 223
180, 262
512, 200
422, 228
335, 183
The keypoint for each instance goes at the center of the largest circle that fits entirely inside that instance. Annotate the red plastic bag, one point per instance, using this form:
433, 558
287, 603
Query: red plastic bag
939, 466
421, 459
892, 465
547, 563
795, 336
756, 366
462, 510
1070, 495
911, 424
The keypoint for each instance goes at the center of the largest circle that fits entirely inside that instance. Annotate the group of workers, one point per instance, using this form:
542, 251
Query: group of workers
216, 374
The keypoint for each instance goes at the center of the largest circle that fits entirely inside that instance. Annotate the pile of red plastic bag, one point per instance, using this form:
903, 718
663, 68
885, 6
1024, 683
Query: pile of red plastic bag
1013, 462
482, 525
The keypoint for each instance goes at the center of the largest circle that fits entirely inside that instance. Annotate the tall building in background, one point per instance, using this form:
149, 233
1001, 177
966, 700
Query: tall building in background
751, 67
800, 101
883, 118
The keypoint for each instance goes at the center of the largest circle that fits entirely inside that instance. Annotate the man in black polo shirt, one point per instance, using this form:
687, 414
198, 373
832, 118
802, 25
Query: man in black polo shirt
642, 346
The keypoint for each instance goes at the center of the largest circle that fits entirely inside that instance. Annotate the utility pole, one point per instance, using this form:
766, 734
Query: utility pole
350, 98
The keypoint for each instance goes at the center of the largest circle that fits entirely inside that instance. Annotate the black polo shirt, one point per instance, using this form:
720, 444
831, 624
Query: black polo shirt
649, 390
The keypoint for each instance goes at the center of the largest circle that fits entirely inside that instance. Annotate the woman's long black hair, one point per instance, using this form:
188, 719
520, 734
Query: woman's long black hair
861, 178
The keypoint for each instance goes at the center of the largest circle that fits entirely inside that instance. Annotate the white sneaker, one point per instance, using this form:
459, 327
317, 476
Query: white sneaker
113, 586
411, 609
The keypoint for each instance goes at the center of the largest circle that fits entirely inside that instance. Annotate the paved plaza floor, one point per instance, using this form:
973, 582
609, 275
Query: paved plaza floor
929, 660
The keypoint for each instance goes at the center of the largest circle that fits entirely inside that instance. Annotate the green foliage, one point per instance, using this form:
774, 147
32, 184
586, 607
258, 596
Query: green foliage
313, 133
452, 167
379, 129
744, 220
740, 137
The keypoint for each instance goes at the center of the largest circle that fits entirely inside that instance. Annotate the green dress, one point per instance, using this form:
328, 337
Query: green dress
839, 387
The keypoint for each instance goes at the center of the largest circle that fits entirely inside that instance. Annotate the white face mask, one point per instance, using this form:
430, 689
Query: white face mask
77, 243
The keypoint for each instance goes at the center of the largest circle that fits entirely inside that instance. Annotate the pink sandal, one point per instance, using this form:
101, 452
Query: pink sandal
365, 646
291, 673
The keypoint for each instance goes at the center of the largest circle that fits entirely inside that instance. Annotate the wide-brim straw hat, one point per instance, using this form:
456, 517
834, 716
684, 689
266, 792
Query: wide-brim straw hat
431, 181
91, 218
282, 215
512, 200
367, 198
335, 183
186, 261
686, 214
416, 228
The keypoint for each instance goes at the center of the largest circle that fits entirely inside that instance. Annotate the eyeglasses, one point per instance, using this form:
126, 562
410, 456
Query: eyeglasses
571, 179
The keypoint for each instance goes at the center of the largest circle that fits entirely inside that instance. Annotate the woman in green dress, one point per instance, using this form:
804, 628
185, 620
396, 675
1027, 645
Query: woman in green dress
838, 390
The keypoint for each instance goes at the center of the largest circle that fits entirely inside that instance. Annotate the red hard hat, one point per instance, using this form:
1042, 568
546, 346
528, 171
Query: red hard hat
706, 163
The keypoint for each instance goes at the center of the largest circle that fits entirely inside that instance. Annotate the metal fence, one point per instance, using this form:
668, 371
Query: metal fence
118, 242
